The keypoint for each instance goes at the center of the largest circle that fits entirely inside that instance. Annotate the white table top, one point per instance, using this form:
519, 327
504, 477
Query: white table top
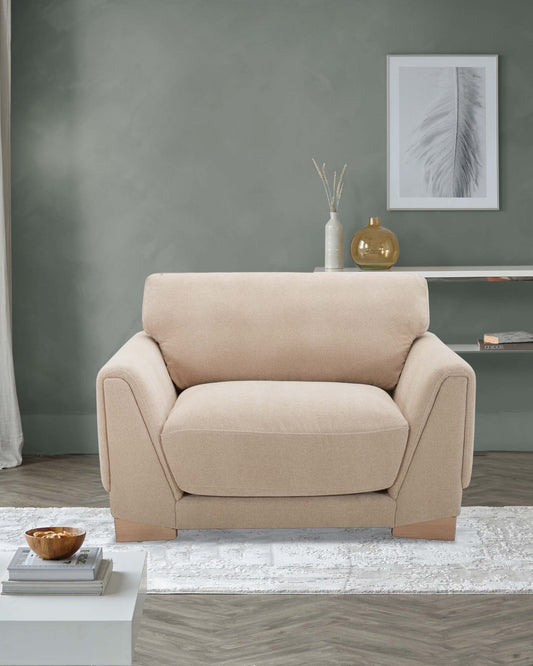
116, 604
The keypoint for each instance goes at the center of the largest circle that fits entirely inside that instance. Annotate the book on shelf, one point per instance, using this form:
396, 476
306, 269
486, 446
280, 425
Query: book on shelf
27, 565
508, 337
93, 587
507, 346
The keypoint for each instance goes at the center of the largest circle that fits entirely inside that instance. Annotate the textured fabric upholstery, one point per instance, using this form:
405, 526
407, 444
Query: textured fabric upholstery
429, 364
431, 487
362, 510
309, 400
149, 393
269, 439
343, 327
139, 489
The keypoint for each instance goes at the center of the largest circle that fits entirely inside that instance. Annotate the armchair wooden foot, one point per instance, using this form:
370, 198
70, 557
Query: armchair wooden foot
126, 530
442, 529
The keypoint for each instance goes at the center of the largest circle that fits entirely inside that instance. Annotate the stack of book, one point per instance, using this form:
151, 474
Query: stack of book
511, 340
86, 572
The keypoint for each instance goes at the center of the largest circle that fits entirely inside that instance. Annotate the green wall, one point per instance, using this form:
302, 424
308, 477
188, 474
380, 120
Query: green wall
177, 135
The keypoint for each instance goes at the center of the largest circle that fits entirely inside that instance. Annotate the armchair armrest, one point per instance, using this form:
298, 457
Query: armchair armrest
436, 394
140, 365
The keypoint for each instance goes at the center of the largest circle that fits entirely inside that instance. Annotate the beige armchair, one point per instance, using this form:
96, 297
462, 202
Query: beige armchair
259, 400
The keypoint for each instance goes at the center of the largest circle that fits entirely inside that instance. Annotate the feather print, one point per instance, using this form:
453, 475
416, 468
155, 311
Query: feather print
448, 141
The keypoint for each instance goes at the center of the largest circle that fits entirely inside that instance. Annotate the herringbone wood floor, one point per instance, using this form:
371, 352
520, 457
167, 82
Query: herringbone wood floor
314, 630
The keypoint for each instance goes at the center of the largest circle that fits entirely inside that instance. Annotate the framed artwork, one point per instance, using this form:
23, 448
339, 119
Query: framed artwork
442, 151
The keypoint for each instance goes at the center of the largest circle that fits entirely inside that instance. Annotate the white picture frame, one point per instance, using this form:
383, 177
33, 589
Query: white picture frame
442, 132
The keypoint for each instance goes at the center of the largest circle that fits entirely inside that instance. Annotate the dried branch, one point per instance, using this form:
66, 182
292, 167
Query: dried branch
334, 192
341, 176
324, 182
339, 195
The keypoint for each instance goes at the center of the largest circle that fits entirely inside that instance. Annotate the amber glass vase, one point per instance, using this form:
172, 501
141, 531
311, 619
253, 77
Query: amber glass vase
375, 248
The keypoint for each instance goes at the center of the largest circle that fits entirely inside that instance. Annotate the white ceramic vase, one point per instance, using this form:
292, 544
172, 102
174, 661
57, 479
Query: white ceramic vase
334, 257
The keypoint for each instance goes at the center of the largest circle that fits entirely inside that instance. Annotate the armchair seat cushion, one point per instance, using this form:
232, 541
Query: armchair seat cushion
284, 438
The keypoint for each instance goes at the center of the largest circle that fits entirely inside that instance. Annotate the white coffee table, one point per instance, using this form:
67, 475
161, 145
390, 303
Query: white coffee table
77, 630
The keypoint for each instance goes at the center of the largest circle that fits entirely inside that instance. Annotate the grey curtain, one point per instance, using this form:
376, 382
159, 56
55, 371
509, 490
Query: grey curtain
10, 427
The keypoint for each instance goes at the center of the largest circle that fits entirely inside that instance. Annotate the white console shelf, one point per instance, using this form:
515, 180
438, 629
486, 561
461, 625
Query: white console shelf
463, 273
474, 349
457, 272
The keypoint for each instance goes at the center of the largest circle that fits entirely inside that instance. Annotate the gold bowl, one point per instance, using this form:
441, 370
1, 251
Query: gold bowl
55, 548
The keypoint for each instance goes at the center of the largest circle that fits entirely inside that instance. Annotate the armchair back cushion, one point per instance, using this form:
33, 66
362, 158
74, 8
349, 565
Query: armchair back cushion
328, 327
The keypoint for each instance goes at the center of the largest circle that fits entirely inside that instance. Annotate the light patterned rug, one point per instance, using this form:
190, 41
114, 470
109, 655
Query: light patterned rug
493, 552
